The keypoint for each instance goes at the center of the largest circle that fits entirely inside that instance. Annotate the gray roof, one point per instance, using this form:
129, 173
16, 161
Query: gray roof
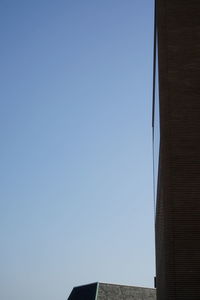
105, 291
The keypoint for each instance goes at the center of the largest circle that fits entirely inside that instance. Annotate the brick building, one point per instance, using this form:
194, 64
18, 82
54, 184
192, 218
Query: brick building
177, 97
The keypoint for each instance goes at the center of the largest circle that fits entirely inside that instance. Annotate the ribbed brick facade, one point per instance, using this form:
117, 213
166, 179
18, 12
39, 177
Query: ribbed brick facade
178, 198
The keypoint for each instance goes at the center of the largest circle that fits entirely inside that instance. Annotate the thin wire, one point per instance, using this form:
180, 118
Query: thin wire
153, 113
153, 125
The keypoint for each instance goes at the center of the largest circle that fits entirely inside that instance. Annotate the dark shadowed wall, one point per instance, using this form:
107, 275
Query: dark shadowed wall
178, 198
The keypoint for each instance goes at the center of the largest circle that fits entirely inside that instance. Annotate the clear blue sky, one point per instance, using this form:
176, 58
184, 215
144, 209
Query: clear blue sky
76, 199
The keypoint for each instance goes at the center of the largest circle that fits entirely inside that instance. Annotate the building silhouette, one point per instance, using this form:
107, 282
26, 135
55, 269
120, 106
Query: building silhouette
105, 291
176, 123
